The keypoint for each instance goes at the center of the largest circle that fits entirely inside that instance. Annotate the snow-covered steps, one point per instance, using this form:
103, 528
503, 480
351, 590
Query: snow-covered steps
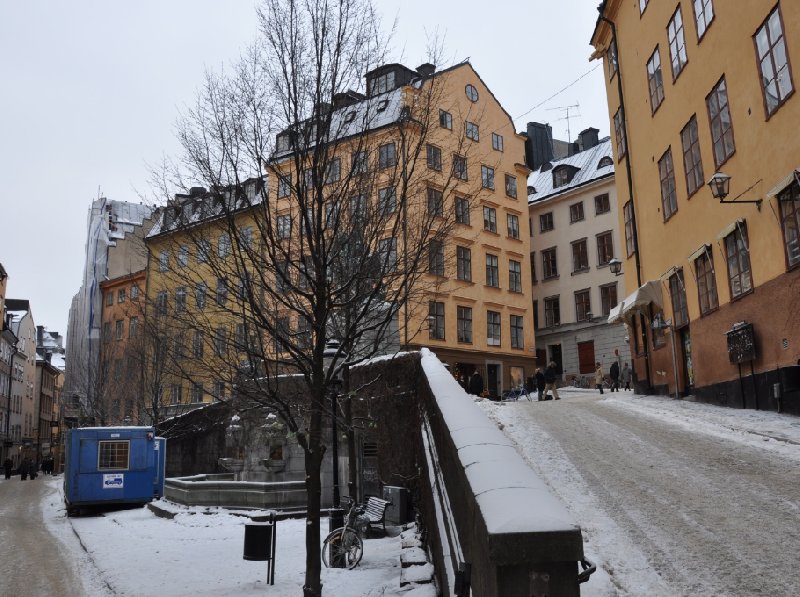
416, 574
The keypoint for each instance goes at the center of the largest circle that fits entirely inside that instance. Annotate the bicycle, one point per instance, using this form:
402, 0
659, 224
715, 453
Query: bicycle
343, 547
515, 395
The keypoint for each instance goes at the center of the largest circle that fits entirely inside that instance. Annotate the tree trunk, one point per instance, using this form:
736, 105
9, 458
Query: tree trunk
314, 452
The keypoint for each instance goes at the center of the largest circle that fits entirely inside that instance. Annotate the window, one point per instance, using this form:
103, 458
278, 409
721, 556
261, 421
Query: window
492, 271
605, 162
382, 83
619, 132
692, 162
284, 227
789, 200
180, 299
283, 276
200, 295
703, 15
183, 256
177, 392
284, 185
436, 320
546, 222
493, 328
445, 120
163, 263
601, 204
240, 337
434, 158
133, 327
387, 201
464, 320
331, 214
358, 162
134, 292
514, 276
517, 336
464, 264
580, 256
387, 156
605, 248
576, 212
220, 341
549, 264
462, 210
562, 175
719, 116
608, 297
161, 303
435, 202
497, 142
487, 177
387, 249
113, 455
223, 245
178, 346
219, 390
203, 250
630, 245
642, 6
358, 209
677, 43
460, 167
583, 305
677, 291
197, 344
197, 392
245, 237
333, 171
773, 63
552, 311
738, 258
222, 291
613, 63
655, 81
669, 202
472, 93
490, 219
511, 186
706, 282
513, 225
472, 131
436, 258
119, 329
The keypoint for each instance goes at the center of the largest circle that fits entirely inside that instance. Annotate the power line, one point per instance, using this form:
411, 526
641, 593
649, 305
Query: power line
562, 90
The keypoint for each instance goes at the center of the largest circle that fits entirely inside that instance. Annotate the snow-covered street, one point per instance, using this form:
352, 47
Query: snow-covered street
674, 497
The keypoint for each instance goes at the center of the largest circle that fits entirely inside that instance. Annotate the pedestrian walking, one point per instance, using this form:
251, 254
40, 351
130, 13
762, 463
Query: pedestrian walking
7, 466
614, 374
24, 469
476, 383
598, 378
540, 383
626, 376
550, 380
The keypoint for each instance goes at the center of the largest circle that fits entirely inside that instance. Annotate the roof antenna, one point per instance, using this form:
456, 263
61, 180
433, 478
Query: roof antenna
566, 110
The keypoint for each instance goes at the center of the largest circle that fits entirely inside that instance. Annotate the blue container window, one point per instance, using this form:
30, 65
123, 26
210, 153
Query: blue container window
113, 455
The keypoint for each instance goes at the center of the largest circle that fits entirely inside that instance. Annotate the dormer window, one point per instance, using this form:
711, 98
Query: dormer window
282, 142
563, 175
349, 117
604, 162
382, 105
382, 84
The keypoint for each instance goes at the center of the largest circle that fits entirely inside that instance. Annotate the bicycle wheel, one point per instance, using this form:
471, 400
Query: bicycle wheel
343, 548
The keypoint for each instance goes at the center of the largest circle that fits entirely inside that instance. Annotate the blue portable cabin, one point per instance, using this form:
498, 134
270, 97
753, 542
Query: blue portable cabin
113, 465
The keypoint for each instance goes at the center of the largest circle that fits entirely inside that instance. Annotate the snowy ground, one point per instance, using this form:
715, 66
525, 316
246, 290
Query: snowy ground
199, 552
674, 497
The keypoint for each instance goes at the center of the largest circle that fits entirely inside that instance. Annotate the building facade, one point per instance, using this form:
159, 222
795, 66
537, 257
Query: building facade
572, 206
23, 418
699, 91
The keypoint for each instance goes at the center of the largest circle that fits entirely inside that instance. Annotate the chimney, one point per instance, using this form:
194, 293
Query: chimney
39, 335
427, 69
197, 191
538, 145
588, 138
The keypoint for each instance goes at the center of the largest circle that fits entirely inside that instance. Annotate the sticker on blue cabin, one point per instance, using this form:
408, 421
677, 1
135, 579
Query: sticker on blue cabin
113, 481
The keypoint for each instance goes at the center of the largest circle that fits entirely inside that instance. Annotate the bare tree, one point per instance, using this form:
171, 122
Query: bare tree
322, 216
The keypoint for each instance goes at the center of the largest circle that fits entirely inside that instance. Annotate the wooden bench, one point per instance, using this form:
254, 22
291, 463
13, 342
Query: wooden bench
375, 511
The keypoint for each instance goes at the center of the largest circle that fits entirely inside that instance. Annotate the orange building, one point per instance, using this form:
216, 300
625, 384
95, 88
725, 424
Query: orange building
704, 114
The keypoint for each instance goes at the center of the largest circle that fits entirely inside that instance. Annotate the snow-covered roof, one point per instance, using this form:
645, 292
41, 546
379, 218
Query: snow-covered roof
586, 163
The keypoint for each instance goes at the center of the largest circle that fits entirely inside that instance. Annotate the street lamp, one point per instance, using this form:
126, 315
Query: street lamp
332, 349
615, 265
720, 187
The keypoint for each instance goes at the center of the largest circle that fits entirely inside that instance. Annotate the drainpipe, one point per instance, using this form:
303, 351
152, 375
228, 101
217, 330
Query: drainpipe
629, 177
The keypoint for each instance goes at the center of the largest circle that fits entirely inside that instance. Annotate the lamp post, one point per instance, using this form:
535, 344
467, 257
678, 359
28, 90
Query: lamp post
332, 349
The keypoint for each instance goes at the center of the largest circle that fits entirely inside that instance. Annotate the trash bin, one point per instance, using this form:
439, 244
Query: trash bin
258, 541
336, 519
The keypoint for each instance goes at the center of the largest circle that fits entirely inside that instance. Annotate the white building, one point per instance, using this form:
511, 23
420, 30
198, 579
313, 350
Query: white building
572, 207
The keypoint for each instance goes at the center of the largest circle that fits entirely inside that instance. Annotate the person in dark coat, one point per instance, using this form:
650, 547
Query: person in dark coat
476, 384
24, 468
7, 466
550, 377
614, 373
540, 383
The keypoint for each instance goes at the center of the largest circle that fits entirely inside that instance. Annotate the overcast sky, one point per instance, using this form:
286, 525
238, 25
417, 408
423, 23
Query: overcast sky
91, 91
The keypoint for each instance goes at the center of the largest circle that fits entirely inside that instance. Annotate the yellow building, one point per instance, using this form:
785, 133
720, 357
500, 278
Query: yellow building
460, 164
699, 90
